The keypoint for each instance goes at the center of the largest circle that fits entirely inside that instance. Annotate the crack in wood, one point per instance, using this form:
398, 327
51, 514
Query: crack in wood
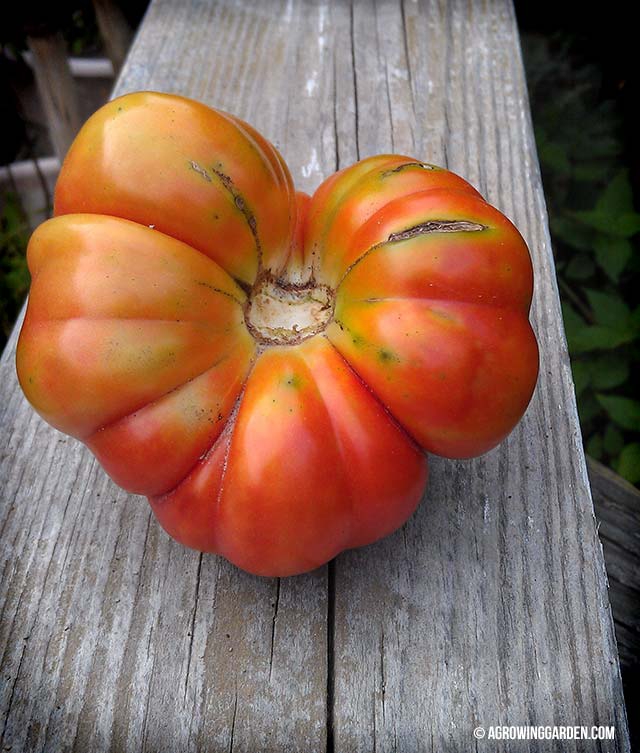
336, 142
42, 593
233, 720
149, 641
273, 626
11, 695
389, 108
145, 718
383, 679
192, 626
331, 621
355, 80
407, 58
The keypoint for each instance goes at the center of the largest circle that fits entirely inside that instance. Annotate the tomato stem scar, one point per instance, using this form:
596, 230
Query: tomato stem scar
280, 312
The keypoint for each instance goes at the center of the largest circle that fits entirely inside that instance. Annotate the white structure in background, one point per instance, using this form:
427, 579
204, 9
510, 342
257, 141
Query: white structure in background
30, 177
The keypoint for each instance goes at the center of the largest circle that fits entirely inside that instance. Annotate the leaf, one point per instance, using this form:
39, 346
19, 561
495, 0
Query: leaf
629, 462
627, 224
540, 134
623, 226
554, 156
612, 254
609, 310
617, 197
580, 267
606, 147
572, 233
588, 408
623, 410
594, 446
12, 216
613, 213
607, 372
591, 171
573, 322
581, 376
597, 338
613, 441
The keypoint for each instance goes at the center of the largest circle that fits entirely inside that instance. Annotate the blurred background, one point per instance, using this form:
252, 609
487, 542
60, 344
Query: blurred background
58, 64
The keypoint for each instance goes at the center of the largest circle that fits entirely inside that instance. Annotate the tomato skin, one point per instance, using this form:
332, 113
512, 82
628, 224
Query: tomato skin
194, 173
98, 340
310, 432
349, 200
437, 322
273, 440
443, 392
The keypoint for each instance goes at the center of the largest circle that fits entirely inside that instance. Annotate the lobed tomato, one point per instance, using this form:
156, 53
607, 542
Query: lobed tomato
268, 368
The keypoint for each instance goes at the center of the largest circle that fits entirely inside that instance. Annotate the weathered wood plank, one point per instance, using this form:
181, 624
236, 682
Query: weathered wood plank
113, 637
617, 506
489, 607
56, 88
115, 31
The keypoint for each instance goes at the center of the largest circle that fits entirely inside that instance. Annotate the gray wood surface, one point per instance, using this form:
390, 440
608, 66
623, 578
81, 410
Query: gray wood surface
617, 506
115, 32
489, 607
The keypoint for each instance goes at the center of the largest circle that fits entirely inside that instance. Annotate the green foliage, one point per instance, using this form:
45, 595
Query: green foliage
629, 465
595, 231
14, 275
81, 30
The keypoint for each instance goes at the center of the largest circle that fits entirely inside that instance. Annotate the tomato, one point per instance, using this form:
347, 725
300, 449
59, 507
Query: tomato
270, 369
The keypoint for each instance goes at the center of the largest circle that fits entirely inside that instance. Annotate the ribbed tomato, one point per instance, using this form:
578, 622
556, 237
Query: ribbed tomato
267, 368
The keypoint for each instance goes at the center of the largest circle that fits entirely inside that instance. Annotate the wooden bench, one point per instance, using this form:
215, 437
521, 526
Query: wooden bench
617, 506
489, 607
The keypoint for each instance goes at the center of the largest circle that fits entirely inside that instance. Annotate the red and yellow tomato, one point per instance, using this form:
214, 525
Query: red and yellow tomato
270, 369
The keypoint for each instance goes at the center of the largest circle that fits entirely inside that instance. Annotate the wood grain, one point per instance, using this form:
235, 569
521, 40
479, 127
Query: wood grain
115, 31
489, 607
617, 506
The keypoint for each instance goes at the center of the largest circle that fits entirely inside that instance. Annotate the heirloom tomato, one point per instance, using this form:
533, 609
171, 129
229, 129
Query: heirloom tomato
270, 369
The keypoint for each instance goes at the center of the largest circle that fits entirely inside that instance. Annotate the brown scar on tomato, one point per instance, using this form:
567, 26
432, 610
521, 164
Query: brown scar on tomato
423, 228
407, 166
201, 171
437, 226
242, 206
238, 200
